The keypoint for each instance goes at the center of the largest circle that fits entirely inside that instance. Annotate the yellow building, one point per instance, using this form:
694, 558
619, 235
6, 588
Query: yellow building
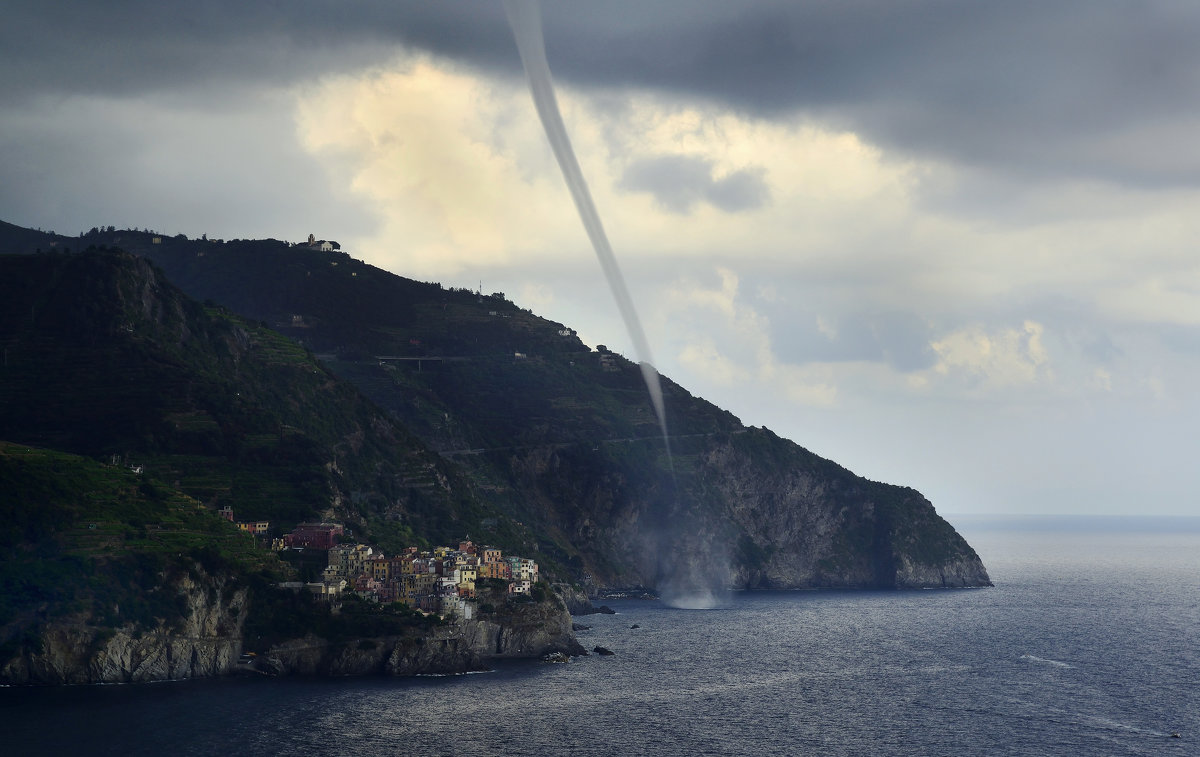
357, 558
379, 568
466, 582
416, 585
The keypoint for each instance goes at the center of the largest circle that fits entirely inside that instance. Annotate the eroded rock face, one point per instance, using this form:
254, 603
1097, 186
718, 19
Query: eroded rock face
529, 629
448, 651
445, 650
748, 511
954, 574
576, 599
515, 630
206, 644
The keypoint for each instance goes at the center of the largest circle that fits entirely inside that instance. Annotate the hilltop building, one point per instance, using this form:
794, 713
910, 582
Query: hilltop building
322, 244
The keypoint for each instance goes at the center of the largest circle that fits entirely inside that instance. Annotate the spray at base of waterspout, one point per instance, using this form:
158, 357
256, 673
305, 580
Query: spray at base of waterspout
701, 600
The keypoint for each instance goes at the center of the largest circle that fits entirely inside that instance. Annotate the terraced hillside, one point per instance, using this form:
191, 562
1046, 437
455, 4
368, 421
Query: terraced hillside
104, 357
555, 442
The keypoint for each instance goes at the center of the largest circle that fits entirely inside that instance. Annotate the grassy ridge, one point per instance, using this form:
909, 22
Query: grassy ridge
100, 542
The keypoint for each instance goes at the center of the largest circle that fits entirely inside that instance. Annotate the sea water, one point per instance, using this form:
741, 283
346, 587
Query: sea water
1088, 644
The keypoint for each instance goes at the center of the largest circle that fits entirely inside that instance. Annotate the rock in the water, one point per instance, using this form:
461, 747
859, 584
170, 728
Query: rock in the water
635, 625
556, 657
580, 627
603, 651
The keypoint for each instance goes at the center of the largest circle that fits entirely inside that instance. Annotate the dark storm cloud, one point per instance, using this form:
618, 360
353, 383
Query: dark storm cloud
204, 167
678, 182
125, 47
1069, 87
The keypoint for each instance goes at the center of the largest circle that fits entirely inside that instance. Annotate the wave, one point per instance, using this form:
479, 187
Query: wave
1045, 661
452, 675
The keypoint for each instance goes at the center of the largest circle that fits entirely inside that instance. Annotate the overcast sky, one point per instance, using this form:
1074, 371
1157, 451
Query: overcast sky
948, 244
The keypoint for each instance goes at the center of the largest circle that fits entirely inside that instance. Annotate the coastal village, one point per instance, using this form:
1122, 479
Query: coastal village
441, 580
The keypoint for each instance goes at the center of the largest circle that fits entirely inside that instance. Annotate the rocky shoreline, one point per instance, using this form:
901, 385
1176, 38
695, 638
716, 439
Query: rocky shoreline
209, 644
520, 631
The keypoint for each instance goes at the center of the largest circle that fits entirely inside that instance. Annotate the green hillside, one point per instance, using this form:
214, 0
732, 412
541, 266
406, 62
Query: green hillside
102, 542
483, 419
104, 357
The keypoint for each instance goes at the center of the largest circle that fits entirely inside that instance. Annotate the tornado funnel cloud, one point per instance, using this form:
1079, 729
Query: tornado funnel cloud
526, 22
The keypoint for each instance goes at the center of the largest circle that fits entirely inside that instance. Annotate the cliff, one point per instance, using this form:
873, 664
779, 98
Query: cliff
206, 643
744, 511
515, 630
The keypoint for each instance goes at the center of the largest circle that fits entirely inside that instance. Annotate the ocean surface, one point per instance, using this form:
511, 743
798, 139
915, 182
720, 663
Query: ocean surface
1087, 645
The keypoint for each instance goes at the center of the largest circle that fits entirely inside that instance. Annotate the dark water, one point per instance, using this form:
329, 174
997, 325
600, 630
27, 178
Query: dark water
1088, 645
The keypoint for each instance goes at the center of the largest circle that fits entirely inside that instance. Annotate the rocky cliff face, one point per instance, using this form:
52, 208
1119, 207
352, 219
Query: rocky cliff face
962, 572
577, 600
207, 644
817, 525
744, 511
515, 630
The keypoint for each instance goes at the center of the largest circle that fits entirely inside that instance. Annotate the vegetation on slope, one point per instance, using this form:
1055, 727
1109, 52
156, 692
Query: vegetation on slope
100, 543
547, 447
104, 357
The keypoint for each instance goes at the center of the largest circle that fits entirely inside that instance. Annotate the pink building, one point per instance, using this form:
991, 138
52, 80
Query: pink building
314, 535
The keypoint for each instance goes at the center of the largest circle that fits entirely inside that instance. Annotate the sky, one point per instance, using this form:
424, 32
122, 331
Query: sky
947, 244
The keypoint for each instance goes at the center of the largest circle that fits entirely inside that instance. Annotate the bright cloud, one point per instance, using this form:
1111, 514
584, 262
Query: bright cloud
444, 158
457, 167
1009, 357
724, 339
703, 357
